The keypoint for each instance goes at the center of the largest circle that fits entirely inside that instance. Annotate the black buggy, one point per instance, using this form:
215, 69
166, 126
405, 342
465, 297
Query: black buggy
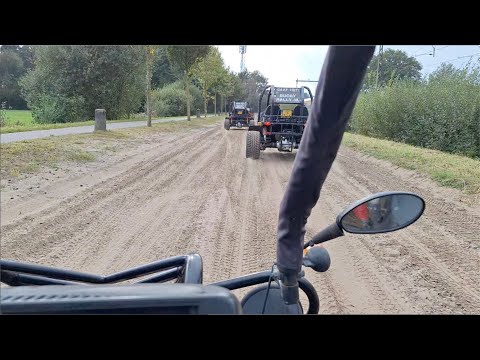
282, 123
238, 116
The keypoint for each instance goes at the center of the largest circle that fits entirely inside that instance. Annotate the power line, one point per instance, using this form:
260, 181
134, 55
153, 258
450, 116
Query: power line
428, 53
416, 51
460, 57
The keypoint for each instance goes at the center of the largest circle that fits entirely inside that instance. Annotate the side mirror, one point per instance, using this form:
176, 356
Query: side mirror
381, 213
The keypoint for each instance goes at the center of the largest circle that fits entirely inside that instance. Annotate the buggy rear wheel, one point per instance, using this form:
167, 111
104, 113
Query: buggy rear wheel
253, 145
226, 124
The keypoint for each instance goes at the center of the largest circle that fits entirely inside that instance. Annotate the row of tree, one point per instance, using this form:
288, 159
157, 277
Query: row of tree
64, 83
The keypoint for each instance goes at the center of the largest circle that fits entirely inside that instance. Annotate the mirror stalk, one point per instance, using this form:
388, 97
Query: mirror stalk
333, 231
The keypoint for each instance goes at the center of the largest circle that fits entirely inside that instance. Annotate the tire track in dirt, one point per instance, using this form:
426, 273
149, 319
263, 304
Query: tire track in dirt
55, 227
38, 203
196, 192
440, 259
444, 239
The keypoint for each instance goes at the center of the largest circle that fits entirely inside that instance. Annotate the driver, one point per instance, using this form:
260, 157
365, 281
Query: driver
381, 212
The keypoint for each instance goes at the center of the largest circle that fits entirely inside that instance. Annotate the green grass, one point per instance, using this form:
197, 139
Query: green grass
26, 157
18, 118
449, 170
80, 156
21, 120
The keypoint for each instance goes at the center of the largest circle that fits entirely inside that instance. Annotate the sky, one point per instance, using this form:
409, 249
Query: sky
284, 64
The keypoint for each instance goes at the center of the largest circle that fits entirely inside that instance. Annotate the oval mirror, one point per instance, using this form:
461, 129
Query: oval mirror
382, 213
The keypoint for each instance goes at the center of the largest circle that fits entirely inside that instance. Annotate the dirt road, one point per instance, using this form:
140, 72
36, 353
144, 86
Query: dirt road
195, 191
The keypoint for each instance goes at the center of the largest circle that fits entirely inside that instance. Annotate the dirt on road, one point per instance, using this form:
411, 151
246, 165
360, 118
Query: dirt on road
194, 191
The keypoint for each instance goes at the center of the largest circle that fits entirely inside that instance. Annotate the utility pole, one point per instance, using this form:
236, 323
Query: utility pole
380, 54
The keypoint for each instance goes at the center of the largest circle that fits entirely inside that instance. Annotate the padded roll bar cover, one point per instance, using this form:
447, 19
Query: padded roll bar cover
119, 299
339, 85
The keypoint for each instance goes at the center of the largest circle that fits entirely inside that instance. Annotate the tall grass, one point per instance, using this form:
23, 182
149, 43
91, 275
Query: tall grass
441, 112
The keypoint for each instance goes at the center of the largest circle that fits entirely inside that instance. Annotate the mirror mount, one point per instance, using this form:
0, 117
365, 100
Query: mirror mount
331, 232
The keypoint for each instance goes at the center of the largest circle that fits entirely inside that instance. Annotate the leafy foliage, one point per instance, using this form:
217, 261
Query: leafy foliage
15, 61
171, 100
442, 113
70, 81
392, 65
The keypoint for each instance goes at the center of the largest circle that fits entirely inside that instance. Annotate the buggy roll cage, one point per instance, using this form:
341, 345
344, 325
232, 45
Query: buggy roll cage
274, 116
184, 269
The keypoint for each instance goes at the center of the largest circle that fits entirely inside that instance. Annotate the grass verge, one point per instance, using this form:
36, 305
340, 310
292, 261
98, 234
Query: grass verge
449, 170
21, 120
27, 157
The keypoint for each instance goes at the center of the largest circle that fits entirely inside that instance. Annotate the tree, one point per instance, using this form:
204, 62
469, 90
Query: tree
225, 87
163, 73
249, 86
220, 87
15, 61
392, 65
208, 70
183, 58
70, 81
149, 52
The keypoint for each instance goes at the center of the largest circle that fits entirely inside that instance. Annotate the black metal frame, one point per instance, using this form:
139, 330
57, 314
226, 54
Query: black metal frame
278, 125
184, 269
264, 277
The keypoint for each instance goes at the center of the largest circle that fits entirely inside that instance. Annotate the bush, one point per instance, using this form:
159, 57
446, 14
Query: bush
49, 110
3, 114
442, 113
171, 100
70, 81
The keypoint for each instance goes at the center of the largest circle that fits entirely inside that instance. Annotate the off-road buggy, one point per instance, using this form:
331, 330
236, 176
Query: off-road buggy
281, 124
238, 116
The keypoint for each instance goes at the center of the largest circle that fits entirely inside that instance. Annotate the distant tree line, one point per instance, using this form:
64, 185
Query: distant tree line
66, 83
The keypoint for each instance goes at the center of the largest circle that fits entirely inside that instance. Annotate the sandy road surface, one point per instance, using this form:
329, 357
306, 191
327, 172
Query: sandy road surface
195, 191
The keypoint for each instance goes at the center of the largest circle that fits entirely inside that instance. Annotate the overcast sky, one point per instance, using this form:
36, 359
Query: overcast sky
283, 64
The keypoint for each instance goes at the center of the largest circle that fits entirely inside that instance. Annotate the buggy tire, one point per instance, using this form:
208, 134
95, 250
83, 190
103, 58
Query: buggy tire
253, 145
226, 124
